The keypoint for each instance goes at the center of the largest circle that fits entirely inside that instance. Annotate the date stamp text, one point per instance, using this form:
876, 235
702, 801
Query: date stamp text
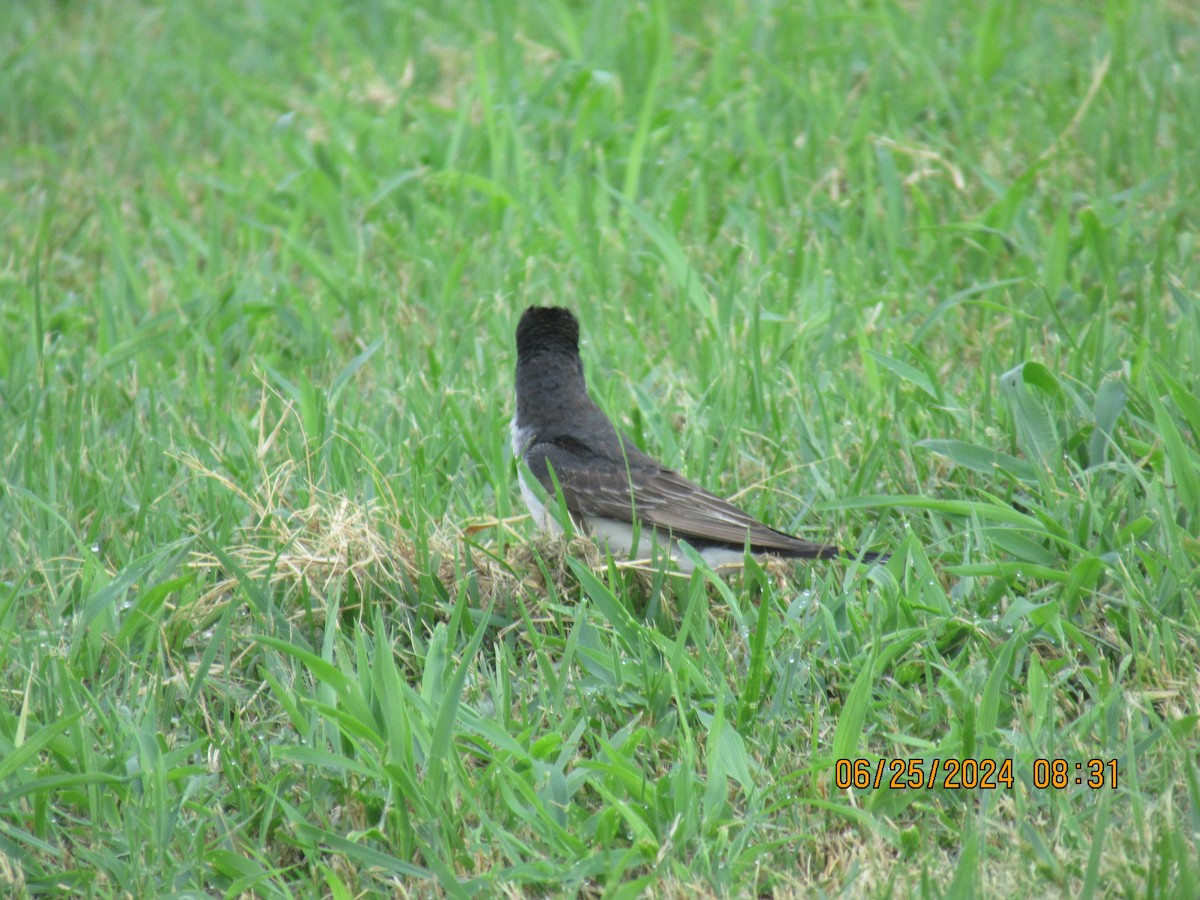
970, 774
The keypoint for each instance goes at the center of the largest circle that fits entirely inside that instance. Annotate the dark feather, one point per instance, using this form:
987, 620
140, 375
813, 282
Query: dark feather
595, 485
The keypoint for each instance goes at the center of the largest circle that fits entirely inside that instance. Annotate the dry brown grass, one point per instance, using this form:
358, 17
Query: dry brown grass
286, 544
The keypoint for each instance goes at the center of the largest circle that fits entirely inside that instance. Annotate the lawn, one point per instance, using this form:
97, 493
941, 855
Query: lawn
916, 276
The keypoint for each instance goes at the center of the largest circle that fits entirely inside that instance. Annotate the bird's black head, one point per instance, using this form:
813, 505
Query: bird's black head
547, 329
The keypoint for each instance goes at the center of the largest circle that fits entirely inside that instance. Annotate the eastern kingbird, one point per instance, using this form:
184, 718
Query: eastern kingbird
609, 487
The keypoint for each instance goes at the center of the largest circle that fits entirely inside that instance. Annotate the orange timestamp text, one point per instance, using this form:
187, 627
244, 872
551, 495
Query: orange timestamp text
970, 774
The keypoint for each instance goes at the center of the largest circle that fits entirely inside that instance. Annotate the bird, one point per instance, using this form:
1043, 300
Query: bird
623, 497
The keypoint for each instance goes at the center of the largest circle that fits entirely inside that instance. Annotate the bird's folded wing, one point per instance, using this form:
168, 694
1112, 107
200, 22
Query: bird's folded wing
594, 485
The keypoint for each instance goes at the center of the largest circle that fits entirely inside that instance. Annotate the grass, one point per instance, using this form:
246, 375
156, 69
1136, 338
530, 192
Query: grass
920, 276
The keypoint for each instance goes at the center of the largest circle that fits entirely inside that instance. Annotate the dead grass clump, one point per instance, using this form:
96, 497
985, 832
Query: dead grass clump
330, 538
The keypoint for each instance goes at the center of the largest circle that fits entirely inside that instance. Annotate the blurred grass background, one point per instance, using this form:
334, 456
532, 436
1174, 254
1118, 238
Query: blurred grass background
915, 275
